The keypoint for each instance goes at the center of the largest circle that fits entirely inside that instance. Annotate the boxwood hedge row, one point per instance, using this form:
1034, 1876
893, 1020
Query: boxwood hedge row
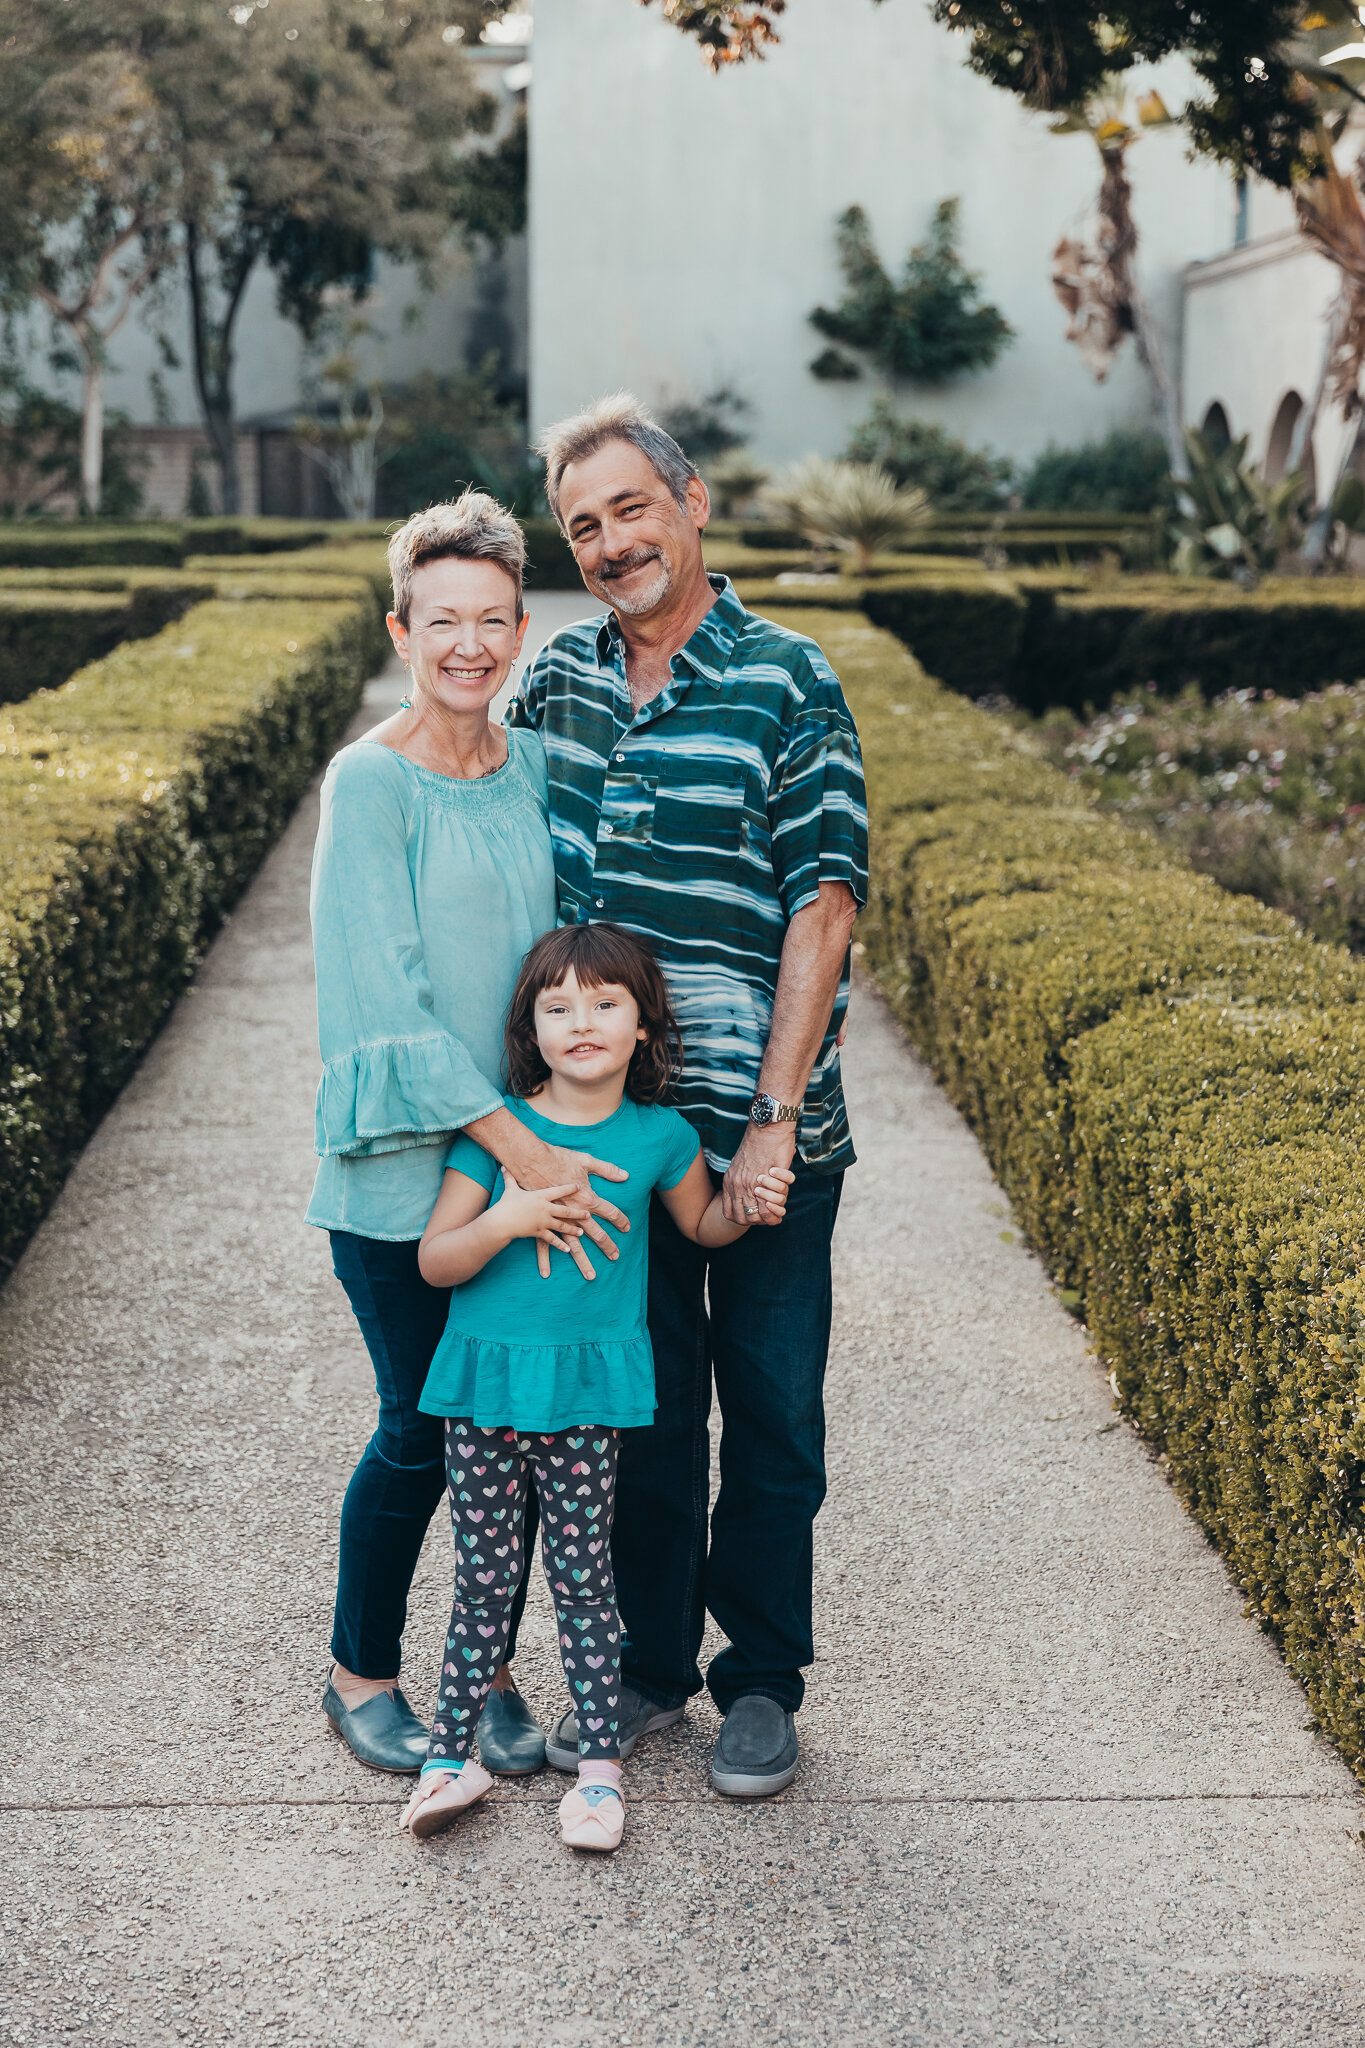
1170, 1083
1049, 640
46, 634
135, 803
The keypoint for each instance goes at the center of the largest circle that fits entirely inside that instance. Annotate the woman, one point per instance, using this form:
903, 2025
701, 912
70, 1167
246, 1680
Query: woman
432, 877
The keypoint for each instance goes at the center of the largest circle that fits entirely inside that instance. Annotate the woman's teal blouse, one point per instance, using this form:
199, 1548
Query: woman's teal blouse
427, 892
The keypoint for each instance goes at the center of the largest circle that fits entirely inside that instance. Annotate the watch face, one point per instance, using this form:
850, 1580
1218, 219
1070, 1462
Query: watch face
761, 1109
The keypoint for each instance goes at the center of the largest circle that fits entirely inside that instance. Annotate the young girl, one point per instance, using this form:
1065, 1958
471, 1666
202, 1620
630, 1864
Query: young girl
537, 1376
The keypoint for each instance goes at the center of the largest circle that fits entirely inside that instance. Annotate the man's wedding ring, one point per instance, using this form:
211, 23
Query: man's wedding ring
751, 1212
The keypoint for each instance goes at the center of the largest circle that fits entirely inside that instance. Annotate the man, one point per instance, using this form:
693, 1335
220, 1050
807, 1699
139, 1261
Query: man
706, 790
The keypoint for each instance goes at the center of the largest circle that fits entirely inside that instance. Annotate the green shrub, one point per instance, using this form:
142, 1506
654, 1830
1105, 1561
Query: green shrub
1169, 1082
1047, 639
927, 457
80, 543
549, 558
1126, 472
1289, 636
46, 635
135, 804
252, 536
968, 631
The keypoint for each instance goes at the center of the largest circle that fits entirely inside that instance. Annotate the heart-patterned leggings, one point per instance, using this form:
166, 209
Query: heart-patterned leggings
488, 1472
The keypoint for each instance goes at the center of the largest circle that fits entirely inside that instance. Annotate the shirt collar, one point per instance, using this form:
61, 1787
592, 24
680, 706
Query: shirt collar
708, 652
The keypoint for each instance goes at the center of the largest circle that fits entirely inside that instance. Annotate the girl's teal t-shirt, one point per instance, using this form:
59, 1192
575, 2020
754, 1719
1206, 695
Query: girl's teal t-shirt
524, 1353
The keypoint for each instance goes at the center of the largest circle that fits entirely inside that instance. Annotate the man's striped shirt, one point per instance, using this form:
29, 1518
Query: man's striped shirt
705, 821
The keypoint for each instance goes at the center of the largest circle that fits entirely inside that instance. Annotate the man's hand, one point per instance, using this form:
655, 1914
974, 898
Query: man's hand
761, 1149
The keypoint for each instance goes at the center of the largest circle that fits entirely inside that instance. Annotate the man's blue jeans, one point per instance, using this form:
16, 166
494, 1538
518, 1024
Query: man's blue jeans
401, 1475
766, 1339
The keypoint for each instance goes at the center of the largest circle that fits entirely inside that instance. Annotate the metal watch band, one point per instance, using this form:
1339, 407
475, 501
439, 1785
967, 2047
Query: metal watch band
765, 1109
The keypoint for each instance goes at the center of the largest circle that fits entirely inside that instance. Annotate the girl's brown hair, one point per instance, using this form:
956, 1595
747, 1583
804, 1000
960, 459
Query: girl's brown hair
595, 954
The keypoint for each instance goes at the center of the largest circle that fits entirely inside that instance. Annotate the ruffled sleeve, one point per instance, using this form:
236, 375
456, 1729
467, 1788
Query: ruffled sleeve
390, 1072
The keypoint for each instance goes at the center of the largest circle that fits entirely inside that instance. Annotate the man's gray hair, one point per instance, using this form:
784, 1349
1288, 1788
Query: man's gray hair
474, 528
618, 418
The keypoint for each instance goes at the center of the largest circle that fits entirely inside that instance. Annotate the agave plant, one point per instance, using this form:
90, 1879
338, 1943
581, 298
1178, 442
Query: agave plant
1232, 522
733, 478
849, 505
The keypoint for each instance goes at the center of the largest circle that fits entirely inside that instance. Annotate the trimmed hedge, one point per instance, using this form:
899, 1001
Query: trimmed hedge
1170, 1083
46, 635
1025, 538
1290, 636
77, 544
1046, 638
135, 804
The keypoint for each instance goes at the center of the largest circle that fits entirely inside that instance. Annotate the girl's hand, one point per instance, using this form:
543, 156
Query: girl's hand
550, 1214
771, 1189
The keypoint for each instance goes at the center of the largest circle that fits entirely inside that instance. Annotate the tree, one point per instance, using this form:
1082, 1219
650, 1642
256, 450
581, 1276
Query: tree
928, 328
85, 185
307, 137
341, 433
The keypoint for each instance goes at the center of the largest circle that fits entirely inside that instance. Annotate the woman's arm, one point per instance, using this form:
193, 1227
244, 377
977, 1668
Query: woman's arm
464, 1233
389, 1067
699, 1211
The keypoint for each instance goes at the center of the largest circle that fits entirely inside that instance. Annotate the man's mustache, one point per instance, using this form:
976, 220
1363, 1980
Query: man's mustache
623, 564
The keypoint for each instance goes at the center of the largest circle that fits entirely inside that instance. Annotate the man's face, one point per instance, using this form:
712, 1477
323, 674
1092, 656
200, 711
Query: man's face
632, 541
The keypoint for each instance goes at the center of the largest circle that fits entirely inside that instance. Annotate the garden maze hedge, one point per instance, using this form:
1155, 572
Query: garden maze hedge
1170, 1084
135, 804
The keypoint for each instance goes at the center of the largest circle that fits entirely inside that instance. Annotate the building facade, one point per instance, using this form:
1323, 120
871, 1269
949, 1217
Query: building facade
682, 225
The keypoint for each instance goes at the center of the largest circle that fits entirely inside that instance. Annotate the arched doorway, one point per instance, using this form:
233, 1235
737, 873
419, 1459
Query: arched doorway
1215, 429
1281, 437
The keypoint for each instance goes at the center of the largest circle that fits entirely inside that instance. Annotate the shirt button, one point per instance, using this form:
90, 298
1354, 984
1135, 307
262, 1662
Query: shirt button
608, 829
620, 758
600, 902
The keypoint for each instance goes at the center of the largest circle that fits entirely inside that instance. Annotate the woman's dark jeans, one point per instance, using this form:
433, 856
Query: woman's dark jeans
401, 1475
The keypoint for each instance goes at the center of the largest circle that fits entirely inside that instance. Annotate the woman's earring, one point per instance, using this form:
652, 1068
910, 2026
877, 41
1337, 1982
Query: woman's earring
405, 703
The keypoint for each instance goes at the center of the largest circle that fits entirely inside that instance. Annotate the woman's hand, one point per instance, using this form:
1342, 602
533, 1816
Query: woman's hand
532, 1163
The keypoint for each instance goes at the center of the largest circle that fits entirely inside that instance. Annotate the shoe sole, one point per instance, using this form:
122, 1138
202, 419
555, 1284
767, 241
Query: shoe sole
388, 1770
749, 1785
436, 1823
567, 1759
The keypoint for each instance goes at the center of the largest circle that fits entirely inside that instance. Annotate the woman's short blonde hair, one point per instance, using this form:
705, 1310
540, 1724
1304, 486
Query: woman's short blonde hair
474, 528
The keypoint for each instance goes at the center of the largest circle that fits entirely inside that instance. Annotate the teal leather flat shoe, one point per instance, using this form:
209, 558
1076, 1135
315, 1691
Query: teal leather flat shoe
384, 1734
510, 1738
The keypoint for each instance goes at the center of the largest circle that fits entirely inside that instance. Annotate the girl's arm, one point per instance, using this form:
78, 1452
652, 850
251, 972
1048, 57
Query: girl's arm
699, 1211
463, 1233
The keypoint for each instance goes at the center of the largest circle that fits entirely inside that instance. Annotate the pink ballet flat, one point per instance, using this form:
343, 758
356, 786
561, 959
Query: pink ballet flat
441, 1796
592, 1817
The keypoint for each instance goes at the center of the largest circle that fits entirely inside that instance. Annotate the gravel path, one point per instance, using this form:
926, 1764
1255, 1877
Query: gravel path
1055, 1787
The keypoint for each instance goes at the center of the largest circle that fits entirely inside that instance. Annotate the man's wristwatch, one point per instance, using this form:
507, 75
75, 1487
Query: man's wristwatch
764, 1110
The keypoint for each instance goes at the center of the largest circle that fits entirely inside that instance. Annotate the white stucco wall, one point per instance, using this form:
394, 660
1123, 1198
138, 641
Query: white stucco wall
1254, 322
682, 225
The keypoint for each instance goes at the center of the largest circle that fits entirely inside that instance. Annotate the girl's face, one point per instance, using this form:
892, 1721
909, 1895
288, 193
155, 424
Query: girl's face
462, 635
587, 1034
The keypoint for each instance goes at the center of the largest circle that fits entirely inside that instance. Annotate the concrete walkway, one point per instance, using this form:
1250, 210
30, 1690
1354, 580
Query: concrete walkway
1055, 1787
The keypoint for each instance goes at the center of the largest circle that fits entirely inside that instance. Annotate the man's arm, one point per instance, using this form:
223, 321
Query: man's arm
813, 955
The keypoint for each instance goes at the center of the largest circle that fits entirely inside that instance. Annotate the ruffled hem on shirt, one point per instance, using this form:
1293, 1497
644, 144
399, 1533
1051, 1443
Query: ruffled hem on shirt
541, 1386
395, 1086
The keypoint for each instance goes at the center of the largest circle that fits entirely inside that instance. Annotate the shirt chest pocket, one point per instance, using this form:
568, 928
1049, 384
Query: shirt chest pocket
702, 818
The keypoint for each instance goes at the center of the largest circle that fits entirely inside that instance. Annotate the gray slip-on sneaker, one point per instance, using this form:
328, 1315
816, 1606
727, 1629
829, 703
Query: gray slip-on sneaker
638, 1716
510, 1738
383, 1734
756, 1752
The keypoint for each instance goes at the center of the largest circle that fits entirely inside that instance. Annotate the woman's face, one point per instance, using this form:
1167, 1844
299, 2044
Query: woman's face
462, 635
